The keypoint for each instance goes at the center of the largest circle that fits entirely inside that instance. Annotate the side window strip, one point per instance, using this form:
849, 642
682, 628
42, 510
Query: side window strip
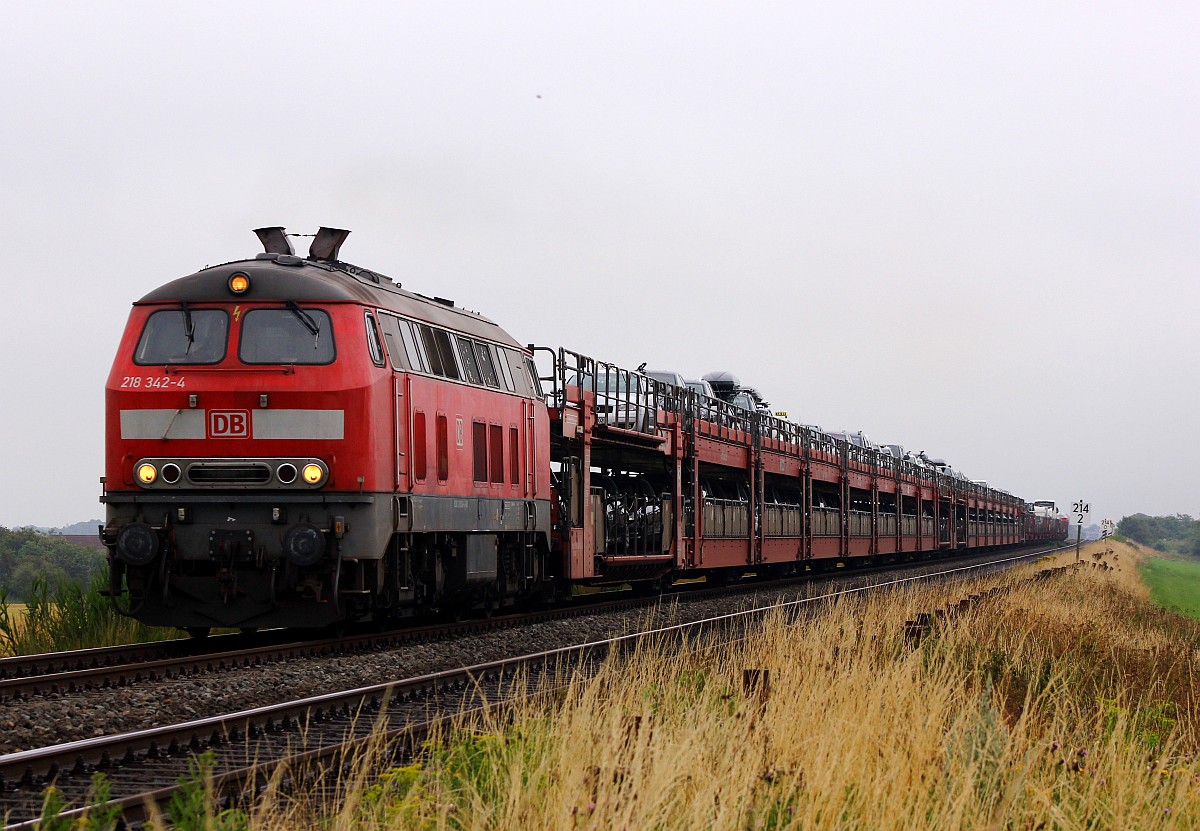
419, 347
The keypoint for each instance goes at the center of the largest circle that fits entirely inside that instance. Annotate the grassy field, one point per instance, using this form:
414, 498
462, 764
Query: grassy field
14, 612
1174, 583
1066, 703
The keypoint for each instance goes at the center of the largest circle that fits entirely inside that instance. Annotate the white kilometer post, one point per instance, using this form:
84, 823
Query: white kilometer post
1081, 510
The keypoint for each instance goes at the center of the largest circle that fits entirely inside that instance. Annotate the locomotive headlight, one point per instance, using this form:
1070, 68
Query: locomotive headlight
146, 473
313, 474
239, 284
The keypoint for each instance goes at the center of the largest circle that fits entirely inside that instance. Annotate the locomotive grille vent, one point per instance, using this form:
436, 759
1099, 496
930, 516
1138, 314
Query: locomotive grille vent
229, 473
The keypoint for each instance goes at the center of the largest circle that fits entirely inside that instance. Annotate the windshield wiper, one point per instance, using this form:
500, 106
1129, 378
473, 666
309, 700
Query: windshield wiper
189, 326
304, 317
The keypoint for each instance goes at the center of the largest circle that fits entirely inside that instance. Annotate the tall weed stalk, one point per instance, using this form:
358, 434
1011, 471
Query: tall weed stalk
69, 616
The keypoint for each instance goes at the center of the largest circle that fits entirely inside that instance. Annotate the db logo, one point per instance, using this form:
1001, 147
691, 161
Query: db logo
229, 424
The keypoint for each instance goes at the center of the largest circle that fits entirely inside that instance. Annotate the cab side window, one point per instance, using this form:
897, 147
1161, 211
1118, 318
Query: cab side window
373, 344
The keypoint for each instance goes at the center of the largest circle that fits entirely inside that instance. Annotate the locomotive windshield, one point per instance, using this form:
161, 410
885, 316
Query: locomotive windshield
286, 336
183, 336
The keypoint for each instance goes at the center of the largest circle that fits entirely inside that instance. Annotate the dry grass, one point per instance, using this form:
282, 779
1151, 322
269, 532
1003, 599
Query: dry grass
1065, 704
14, 612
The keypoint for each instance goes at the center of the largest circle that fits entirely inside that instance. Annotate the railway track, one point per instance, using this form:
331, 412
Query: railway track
60, 673
70, 672
250, 744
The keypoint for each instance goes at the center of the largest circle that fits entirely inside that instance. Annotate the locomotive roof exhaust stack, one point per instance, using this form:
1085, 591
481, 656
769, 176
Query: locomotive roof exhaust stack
327, 243
274, 240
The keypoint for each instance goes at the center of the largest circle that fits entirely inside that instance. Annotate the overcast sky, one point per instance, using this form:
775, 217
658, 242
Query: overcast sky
969, 228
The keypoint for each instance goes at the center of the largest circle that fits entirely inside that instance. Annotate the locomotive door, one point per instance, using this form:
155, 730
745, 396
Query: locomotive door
529, 423
402, 429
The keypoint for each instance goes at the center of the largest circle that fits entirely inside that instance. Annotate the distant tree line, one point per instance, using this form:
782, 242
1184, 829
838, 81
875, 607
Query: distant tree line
26, 554
1178, 533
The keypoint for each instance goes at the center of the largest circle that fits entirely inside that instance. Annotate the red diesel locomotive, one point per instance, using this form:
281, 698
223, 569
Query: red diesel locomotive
296, 441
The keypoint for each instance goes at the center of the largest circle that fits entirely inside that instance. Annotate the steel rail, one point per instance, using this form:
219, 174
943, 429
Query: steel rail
48, 663
22, 666
410, 702
121, 666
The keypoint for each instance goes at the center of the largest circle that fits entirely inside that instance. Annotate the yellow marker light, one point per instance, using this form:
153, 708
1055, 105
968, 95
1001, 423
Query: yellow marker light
312, 474
146, 473
239, 284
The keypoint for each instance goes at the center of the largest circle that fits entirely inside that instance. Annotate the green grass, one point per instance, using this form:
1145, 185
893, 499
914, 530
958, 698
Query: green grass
68, 616
1174, 584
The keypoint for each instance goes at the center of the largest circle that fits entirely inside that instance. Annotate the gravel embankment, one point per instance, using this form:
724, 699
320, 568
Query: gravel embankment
41, 722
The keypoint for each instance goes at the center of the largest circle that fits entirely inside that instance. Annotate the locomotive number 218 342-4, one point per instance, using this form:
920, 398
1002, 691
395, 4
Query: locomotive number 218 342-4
151, 382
